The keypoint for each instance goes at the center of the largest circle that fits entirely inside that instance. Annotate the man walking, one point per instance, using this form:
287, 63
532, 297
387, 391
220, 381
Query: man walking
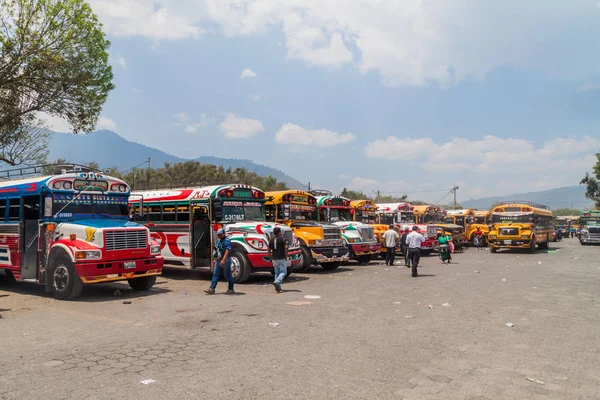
404, 247
391, 238
414, 241
222, 259
278, 254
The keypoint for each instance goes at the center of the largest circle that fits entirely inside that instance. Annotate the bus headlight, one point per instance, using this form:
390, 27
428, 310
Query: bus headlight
492, 236
155, 250
524, 236
314, 242
88, 255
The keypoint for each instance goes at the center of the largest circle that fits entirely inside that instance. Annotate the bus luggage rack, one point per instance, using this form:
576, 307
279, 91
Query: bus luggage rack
44, 169
529, 203
318, 193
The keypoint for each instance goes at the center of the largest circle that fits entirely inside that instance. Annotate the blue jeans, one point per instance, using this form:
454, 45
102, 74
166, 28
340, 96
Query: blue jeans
280, 269
217, 272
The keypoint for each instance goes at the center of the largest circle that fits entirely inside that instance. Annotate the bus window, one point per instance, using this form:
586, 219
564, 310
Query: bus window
154, 213
31, 207
183, 213
2, 210
13, 210
168, 214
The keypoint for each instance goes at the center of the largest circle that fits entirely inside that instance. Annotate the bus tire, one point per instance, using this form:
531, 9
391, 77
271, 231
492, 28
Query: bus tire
143, 283
330, 266
532, 246
364, 259
493, 249
9, 278
544, 245
65, 284
240, 266
306, 260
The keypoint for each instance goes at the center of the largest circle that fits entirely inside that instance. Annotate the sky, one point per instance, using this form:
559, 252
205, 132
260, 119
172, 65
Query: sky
405, 97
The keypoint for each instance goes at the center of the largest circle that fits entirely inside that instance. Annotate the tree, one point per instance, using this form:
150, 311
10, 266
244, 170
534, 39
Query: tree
593, 183
27, 144
495, 204
53, 59
353, 195
560, 212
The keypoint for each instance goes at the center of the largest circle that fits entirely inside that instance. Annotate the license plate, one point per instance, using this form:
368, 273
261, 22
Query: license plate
508, 242
335, 251
130, 265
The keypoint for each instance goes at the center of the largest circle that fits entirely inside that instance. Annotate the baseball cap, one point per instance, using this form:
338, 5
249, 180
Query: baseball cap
221, 231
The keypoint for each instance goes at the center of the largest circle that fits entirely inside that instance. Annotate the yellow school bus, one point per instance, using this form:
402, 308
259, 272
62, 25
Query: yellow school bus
521, 225
428, 214
321, 243
470, 220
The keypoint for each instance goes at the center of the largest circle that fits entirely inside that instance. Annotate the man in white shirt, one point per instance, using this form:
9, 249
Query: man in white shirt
414, 241
391, 237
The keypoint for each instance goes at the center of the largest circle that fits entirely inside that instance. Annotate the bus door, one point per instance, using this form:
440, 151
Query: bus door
30, 236
200, 235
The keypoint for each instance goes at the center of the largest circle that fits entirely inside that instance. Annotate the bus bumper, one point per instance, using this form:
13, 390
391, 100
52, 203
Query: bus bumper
364, 249
509, 243
97, 272
261, 261
329, 254
589, 239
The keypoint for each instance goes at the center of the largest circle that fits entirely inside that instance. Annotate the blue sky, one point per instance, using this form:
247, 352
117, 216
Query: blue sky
497, 97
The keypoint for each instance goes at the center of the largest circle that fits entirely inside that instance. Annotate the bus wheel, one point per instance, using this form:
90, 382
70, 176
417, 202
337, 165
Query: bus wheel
544, 246
9, 278
306, 260
240, 267
532, 246
330, 266
493, 249
66, 284
364, 259
143, 283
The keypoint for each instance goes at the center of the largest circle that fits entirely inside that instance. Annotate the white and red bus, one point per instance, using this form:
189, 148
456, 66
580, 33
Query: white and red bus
184, 222
65, 231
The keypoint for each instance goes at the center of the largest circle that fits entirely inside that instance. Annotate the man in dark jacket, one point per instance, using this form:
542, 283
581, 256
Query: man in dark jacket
404, 247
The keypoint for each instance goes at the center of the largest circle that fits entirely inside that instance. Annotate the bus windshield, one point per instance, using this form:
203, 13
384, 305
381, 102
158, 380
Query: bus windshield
366, 217
408, 218
513, 217
303, 213
387, 219
337, 214
243, 211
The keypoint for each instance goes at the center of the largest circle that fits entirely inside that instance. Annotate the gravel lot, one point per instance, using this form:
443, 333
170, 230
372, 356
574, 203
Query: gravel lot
375, 332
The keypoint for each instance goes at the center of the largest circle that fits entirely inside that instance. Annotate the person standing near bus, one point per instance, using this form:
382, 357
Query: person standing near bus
414, 241
478, 238
404, 247
572, 230
278, 254
391, 238
222, 259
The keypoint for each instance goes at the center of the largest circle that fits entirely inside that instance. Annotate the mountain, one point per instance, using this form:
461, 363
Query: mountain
109, 150
564, 197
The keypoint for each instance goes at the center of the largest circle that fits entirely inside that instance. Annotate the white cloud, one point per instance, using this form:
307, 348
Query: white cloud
254, 97
122, 62
106, 123
409, 43
55, 124
205, 121
490, 154
247, 73
182, 117
295, 134
364, 182
235, 127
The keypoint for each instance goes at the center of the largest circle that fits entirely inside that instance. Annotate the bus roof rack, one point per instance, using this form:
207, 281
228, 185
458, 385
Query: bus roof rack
529, 203
321, 192
44, 169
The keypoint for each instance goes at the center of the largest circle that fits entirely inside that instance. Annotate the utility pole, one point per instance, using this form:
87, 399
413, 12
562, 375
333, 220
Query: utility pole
453, 190
148, 175
378, 195
309, 186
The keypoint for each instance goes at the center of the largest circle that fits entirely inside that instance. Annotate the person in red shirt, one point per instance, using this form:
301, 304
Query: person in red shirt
478, 238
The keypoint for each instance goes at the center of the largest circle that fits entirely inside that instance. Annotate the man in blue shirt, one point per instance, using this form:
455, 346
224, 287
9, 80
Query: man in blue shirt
222, 259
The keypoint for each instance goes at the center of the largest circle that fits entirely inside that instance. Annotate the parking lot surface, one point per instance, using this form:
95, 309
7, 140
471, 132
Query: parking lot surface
374, 332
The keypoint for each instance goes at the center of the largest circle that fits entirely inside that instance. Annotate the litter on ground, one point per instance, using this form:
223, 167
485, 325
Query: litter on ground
312, 297
274, 323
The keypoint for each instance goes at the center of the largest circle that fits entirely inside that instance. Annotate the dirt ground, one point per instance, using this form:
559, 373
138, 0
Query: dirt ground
375, 332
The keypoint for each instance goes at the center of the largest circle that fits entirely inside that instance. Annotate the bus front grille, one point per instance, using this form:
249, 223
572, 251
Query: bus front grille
332, 233
124, 240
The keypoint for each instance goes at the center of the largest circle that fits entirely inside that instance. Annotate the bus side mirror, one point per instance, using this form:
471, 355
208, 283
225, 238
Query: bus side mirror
218, 210
48, 207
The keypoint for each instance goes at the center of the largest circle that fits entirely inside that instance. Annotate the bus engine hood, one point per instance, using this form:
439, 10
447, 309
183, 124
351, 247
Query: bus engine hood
262, 229
356, 232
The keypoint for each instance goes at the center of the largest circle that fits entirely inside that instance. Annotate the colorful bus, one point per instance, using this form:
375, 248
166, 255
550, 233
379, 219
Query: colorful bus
392, 214
590, 227
320, 243
428, 214
470, 220
185, 221
65, 231
521, 225
359, 237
